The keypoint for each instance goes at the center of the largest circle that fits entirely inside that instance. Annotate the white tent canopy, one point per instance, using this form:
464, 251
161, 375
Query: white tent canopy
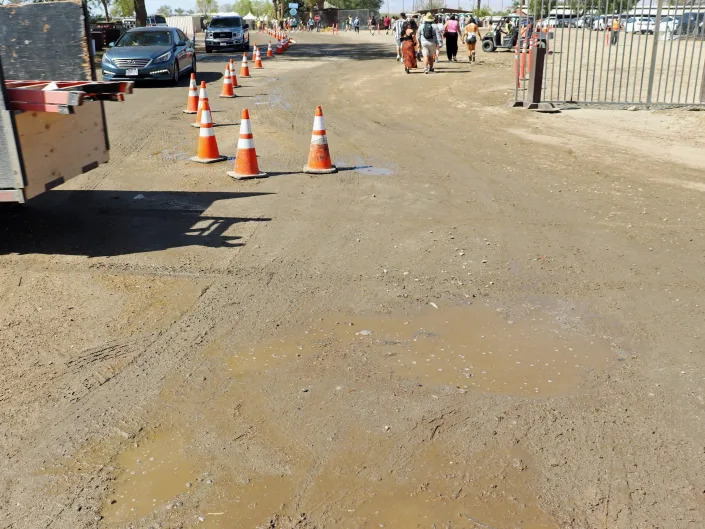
249, 16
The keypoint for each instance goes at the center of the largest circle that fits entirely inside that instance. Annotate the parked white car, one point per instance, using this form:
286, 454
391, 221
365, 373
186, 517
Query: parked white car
600, 23
640, 25
669, 26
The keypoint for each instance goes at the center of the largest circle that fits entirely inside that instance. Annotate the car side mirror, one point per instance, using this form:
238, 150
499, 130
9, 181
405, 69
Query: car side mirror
181, 43
246, 26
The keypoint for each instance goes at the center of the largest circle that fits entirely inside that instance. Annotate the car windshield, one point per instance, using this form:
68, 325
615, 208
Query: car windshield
145, 38
226, 22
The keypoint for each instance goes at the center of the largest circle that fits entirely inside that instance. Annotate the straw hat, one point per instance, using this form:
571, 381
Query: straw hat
428, 18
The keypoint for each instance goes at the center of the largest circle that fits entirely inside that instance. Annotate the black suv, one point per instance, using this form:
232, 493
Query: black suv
227, 32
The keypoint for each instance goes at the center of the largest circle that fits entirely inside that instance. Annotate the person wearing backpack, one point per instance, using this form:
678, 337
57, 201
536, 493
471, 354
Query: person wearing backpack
430, 39
471, 36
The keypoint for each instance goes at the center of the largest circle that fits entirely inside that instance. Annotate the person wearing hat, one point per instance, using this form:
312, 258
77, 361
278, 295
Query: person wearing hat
430, 39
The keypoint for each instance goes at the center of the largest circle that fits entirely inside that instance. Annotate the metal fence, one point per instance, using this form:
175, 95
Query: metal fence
614, 52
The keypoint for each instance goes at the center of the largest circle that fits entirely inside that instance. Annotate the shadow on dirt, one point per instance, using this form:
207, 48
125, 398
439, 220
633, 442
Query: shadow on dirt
110, 223
361, 51
358, 51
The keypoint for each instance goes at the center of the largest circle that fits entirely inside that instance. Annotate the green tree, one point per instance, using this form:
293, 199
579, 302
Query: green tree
225, 8
122, 8
262, 8
165, 11
242, 6
366, 4
179, 11
482, 12
104, 4
206, 6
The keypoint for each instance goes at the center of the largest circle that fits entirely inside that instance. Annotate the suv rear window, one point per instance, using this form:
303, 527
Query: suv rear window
226, 22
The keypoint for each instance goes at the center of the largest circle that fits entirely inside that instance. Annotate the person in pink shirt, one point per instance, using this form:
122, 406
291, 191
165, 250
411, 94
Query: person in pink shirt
451, 31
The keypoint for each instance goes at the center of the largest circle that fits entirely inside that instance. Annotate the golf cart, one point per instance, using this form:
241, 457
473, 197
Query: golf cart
504, 33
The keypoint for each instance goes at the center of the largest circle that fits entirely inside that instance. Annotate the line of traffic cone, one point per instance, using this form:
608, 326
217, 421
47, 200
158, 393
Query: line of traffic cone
246, 159
246, 164
227, 83
319, 161
192, 100
202, 100
207, 146
244, 69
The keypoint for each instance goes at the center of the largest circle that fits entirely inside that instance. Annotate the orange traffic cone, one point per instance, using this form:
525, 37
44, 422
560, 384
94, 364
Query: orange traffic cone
246, 159
192, 101
280, 50
258, 60
244, 69
227, 83
202, 98
207, 146
270, 53
319, 157
233, 77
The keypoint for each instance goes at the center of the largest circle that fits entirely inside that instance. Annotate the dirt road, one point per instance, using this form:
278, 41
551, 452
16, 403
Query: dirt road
487, 318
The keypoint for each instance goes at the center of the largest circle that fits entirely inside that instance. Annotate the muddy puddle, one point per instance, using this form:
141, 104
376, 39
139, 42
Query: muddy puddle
243, 446
157, 470
355, 486
471, 347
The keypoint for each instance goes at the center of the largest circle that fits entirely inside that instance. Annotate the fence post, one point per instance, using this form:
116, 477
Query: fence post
654, 51
536, 75
702, 88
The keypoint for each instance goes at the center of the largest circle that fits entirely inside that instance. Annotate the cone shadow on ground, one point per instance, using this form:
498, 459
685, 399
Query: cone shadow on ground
111, 223
208, 77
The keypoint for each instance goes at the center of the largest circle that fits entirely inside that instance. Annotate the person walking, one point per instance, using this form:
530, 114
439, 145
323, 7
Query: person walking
356, 25
373, 25
409, 43
386, 23
430, 39
451, 31
310, 24
350, 23
398, 31
471, 36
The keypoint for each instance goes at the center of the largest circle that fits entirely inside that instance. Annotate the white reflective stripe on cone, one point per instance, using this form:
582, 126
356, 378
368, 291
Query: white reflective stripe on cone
245, 143
228, 80
206, 132
245, 127
318, 123
319, 140
202, 93
206, 117
192, 93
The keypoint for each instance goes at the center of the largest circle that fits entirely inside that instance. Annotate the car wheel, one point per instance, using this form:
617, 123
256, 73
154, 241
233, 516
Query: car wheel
487, 46
175, 79
208, 49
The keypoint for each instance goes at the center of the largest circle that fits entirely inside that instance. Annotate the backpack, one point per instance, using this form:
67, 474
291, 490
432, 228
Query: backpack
428, 32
